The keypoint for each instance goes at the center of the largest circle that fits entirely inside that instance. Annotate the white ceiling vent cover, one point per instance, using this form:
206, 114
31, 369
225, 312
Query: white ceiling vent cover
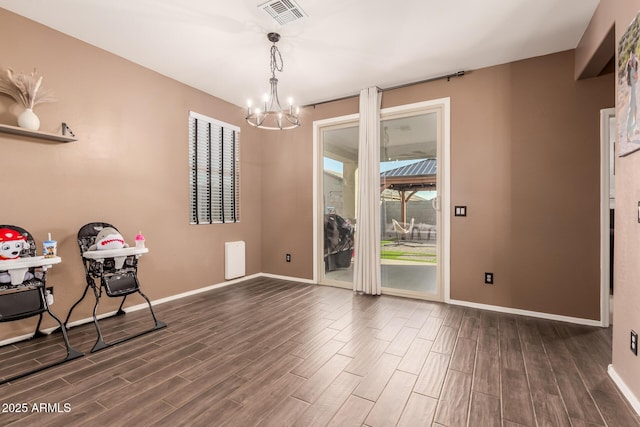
283, 11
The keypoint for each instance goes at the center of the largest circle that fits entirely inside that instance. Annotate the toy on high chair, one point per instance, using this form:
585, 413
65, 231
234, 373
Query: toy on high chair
11, 245
108, 238
109, 243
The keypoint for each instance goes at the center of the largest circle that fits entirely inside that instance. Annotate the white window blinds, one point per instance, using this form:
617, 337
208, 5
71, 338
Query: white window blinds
214, 162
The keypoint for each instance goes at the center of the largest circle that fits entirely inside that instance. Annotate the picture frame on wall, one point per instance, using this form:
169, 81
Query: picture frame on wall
628, 85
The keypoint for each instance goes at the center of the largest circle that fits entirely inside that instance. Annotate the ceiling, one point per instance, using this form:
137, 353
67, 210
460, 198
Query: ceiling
340, 47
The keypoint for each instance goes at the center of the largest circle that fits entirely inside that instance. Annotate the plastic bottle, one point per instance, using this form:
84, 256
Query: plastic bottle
140, 240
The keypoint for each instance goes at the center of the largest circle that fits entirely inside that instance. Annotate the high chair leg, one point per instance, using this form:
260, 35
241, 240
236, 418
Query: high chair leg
38, 333
66, 321
72, 353
158, 324
100, 344
120, 310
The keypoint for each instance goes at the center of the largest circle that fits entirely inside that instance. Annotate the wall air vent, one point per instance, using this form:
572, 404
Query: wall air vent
283, 11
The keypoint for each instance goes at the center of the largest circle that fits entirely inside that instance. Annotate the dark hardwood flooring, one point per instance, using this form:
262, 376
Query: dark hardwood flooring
275, 353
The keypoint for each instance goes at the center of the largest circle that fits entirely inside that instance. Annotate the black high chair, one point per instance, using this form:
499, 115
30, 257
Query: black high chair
25, 295
116, 276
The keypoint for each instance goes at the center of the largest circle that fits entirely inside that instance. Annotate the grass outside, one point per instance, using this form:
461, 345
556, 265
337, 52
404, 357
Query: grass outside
404, 252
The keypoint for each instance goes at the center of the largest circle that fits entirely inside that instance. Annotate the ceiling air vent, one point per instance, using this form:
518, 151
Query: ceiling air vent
283, 11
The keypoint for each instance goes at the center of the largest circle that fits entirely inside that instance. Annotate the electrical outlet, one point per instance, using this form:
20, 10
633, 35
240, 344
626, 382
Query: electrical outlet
287, 257
633, 344
488, 278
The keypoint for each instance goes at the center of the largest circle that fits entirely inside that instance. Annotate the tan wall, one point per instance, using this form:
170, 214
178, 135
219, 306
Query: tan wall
128, 168
627, 244
525, 160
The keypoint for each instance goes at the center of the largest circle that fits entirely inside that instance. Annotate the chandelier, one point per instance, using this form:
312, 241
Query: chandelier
273, 116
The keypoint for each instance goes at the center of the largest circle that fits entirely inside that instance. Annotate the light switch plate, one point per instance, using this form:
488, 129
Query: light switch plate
460, 211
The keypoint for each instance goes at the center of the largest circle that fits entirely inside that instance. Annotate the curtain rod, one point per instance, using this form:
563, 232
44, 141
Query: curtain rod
447, 76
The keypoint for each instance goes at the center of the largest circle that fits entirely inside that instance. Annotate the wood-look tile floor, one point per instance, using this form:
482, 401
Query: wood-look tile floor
274, 353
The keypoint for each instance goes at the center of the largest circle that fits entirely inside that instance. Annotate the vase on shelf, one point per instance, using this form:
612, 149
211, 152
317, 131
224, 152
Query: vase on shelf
28, 120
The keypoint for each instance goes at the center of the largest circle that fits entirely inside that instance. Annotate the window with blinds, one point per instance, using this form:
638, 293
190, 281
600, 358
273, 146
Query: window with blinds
214, 163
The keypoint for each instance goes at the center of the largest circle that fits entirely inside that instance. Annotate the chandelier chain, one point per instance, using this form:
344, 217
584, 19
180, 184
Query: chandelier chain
277, 63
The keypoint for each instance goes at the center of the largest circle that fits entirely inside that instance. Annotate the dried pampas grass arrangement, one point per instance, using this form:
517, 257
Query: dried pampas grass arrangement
25, 89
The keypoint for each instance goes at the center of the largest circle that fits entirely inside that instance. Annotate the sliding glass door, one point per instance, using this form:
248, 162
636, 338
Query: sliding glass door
339, 184
410, 220
411, 139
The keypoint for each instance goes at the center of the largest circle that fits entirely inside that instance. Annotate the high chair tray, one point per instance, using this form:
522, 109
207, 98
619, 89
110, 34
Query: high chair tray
17, 268
27, 262
113, 253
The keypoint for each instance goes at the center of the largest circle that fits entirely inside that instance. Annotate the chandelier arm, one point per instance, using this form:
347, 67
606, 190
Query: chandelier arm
276, 99
296, 120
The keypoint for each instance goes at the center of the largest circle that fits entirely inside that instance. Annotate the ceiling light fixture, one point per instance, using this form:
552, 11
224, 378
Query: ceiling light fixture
273, 116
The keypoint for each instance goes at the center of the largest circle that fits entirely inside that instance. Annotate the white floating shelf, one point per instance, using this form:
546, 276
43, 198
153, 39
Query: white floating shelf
14, 130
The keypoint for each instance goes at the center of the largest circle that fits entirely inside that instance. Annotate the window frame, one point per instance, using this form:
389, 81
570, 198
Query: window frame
217, 177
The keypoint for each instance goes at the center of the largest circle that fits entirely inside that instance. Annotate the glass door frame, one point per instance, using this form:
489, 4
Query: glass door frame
444, 190
320, 126
413, 110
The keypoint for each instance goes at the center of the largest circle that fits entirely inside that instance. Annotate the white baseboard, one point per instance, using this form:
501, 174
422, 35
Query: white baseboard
16, 339
626, 391
537, 314
175, 297
143, 306
292, 279
193, 292
48, 331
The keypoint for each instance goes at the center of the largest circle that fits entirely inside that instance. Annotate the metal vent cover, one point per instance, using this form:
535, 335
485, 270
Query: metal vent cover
283, 11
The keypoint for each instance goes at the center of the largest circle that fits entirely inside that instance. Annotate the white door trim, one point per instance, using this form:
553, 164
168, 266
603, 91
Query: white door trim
444, 155
444, 183
318, 256
605, 267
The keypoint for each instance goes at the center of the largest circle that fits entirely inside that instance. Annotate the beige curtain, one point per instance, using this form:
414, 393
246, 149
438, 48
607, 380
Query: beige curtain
366, 277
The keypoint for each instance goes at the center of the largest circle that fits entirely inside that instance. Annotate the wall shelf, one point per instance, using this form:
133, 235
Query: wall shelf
14, 130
